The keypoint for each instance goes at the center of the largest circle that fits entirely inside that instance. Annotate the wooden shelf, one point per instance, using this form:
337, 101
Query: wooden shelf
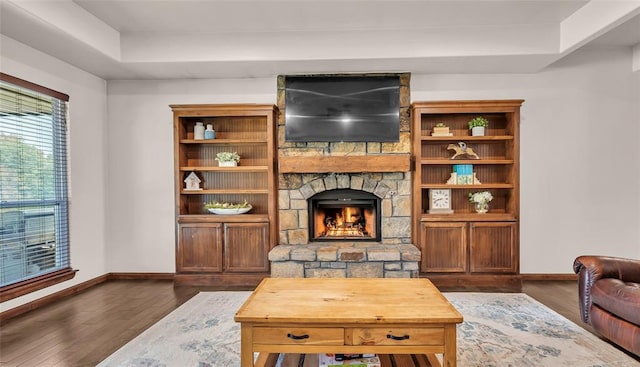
217, 218
468, 217
466, 138
225, 169
224, 141
466, 161
346, 164
221, 191
470, 187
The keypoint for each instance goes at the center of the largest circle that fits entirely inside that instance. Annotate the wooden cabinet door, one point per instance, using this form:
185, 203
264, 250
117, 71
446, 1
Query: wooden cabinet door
444, 247
493, 247
246, 247
199, 247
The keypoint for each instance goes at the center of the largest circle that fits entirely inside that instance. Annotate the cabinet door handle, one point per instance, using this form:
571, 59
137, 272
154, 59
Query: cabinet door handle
393, 337
297, 337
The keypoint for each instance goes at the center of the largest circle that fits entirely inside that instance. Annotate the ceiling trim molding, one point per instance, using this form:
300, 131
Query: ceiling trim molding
593, 20
72, 33
69, 18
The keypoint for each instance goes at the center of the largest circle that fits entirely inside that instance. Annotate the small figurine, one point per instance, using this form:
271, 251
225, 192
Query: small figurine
462, 148
192, 182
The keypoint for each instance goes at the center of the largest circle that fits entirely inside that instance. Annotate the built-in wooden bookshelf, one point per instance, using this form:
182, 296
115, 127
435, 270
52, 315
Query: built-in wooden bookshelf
214, 249
465, 248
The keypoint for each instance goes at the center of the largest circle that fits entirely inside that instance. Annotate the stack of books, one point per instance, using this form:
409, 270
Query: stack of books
352, 360
441, 131
464, 174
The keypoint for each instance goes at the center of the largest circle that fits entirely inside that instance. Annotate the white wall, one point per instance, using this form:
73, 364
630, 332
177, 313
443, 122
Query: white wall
579, 157
580, 175
87, 101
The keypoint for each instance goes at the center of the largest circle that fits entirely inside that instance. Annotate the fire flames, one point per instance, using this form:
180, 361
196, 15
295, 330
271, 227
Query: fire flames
344, 222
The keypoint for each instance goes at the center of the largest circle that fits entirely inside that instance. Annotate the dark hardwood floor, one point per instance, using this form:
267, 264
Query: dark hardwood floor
84, 329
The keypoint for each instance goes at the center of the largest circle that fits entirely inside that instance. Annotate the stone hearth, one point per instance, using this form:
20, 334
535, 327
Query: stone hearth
345, 260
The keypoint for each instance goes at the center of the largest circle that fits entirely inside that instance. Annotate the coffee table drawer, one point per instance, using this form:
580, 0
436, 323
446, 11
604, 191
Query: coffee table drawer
286, 335
394, 336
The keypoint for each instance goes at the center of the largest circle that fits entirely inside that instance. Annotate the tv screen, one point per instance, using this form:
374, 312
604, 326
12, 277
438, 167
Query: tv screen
342, 108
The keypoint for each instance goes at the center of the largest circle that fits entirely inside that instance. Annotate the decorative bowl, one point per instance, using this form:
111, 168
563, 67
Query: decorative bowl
230, 211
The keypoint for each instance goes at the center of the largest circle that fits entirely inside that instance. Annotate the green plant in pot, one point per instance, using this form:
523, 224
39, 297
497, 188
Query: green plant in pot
477, 125
227, 159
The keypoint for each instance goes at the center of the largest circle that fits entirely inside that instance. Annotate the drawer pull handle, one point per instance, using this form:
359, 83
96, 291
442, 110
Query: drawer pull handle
297, 337
393, 337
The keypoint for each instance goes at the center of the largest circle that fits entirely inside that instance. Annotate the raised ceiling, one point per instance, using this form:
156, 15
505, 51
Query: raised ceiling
213, 39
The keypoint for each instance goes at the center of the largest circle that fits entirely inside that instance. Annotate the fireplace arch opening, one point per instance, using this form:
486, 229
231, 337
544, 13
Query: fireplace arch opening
344, 214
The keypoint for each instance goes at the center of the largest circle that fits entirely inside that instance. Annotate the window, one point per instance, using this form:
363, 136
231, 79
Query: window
34, 226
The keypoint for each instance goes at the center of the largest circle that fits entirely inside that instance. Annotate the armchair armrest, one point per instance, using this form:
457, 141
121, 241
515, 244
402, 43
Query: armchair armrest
592, 268
627, 270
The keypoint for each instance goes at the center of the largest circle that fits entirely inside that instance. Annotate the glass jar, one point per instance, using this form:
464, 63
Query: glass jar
198, 131
482, 208
209, 133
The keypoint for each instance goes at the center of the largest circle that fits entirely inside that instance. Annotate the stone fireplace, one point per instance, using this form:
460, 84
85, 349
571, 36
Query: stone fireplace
345, 208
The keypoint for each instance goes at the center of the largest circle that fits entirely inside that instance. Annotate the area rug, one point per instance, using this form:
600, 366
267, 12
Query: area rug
499, 329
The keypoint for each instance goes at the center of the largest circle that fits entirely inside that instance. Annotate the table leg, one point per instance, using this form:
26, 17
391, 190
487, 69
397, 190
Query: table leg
246, 345
450, 349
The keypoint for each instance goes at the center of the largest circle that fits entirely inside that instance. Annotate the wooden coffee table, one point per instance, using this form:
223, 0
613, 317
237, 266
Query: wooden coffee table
354, 315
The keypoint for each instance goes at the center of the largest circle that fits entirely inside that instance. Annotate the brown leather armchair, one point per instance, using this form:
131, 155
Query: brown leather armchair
609, 298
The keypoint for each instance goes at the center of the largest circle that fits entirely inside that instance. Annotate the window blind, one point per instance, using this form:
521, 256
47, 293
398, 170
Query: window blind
34, 225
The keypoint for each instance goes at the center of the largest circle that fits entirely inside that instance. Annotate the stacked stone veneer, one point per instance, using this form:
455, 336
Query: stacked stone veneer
393, 189
393, 256
345, 260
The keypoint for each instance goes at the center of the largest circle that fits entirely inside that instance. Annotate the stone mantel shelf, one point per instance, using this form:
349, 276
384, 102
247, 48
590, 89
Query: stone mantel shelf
345, 164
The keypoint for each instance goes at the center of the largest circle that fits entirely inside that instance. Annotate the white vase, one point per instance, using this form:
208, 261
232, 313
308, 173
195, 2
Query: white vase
227, 164
198, 131
477, 131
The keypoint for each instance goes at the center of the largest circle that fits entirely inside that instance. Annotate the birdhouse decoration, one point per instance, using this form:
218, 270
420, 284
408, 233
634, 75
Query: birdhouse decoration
192, 182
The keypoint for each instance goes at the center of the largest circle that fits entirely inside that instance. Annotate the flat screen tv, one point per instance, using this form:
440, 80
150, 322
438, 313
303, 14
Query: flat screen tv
342, 108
